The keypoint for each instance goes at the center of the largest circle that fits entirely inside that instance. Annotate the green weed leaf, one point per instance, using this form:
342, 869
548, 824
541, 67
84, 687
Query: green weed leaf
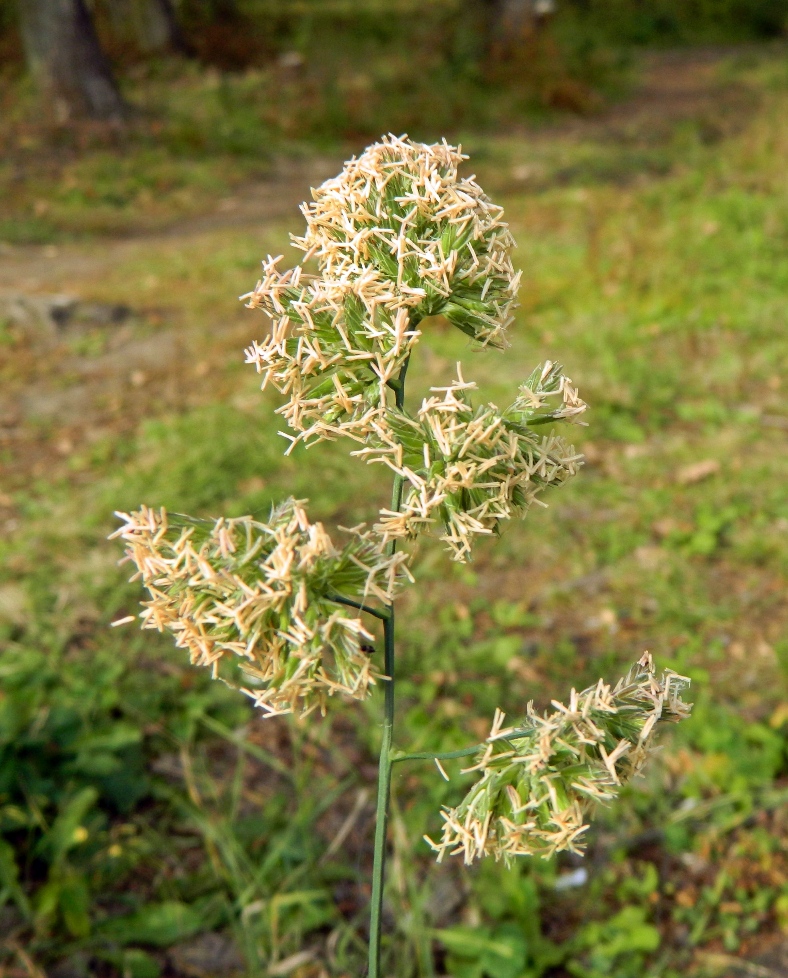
9, 880
66, 831
74, 900
159, 924
481, 953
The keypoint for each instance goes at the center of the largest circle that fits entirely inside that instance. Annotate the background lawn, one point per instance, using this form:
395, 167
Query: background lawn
150, 822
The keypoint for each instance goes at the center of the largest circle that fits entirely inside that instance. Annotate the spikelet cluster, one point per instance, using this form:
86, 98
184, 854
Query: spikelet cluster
538, 780
468, 468
258, 598
397, 236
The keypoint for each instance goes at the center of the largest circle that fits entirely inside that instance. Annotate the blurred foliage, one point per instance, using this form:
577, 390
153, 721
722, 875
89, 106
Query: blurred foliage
328, 69
266, 77
624, 22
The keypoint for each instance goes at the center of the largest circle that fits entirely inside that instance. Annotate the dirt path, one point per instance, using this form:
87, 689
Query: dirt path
35, 268
674, 86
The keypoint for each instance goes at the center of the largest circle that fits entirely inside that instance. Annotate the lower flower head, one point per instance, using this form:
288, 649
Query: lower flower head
258, 602
539, 779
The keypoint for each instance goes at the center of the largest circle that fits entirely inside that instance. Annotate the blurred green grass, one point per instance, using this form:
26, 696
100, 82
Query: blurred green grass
141, 805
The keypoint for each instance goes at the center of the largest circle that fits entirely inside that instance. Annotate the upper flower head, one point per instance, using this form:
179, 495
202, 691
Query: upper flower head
397, 236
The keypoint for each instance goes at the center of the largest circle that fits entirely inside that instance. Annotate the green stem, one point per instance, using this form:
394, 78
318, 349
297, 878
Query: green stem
382, 809
385, 762
383, 614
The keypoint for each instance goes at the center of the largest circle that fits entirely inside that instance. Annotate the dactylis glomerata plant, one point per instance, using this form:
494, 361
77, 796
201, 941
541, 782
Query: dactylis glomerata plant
398, 237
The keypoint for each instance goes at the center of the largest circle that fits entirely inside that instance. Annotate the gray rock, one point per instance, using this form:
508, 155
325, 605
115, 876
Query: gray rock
207, 956
37, 316
774, 961
93, 314
43, 317
75, 966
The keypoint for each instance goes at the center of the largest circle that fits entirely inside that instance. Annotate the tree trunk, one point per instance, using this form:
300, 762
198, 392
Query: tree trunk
149, 25
172, 33
515, 14
513, 27
65, 58
511, 19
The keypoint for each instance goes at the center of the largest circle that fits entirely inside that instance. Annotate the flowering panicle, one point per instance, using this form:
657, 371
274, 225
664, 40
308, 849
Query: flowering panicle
262, 596
397, 236
539, 779
468, 468
274, 608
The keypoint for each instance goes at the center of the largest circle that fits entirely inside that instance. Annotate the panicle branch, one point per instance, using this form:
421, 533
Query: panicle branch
466, 469
258, 597
538, 780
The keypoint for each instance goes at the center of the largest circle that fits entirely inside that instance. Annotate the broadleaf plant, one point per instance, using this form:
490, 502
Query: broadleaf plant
277, 608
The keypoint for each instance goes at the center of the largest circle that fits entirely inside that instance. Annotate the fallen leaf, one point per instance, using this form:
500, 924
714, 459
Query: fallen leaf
779, 717
697, 471
290, 964
650, 558
207, 955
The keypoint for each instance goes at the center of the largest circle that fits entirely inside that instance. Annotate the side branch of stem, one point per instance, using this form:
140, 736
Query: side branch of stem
382, 613
448, 755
